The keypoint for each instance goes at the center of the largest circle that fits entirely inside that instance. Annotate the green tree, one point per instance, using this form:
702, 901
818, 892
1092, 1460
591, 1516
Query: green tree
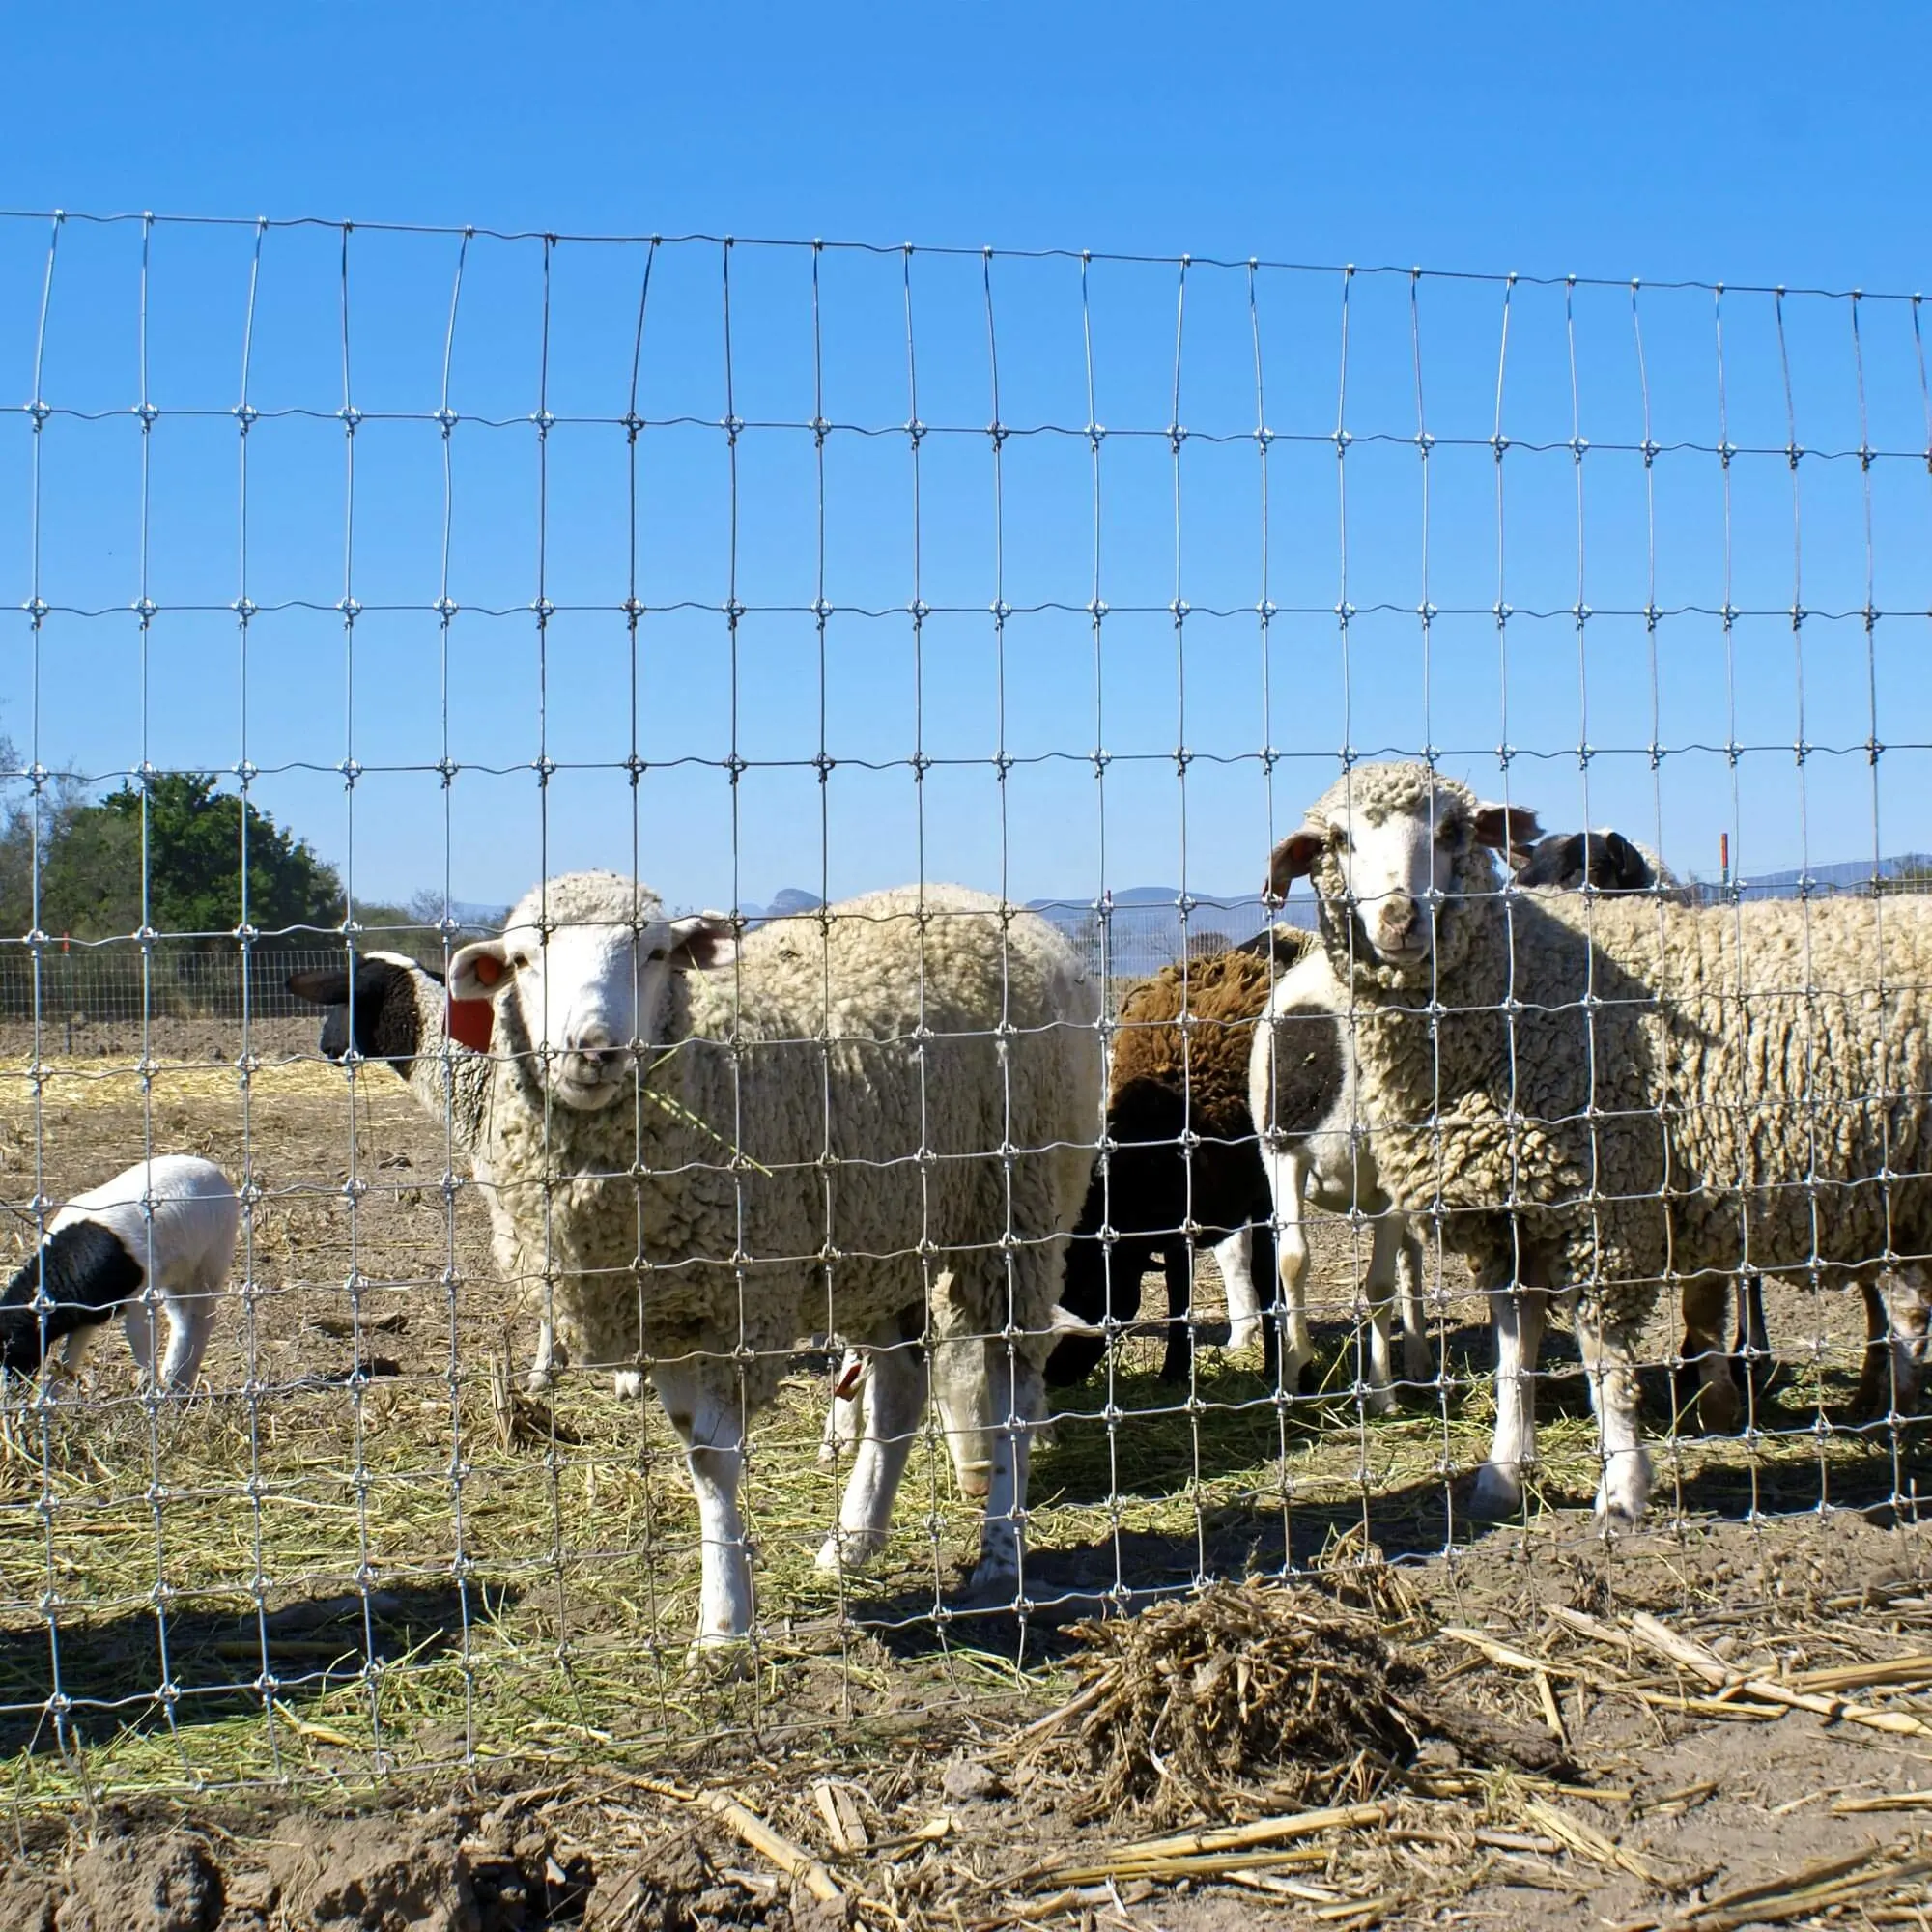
92, 866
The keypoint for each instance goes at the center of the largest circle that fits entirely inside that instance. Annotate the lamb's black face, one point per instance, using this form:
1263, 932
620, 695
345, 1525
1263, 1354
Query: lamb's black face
1607, 859
85, 1272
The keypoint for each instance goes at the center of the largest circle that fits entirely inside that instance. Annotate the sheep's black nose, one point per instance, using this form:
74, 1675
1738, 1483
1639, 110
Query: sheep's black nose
1398, 918
593, 1046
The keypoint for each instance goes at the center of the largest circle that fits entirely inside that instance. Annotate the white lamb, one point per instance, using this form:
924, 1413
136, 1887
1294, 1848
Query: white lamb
157, 1238
879, 1126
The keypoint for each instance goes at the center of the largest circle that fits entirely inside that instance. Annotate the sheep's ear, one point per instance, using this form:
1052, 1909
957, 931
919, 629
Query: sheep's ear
1292, 858
1503, 827
320, 986
479, 970
1629, 868
702, 942
1520, 856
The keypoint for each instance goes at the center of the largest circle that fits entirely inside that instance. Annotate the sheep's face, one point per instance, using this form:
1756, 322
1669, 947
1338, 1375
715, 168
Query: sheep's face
1565, 860
1390, 863
591, 995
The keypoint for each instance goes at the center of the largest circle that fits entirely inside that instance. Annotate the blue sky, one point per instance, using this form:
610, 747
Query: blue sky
1754, 145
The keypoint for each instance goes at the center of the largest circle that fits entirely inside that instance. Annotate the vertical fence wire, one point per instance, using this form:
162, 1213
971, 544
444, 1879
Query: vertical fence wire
550, 1531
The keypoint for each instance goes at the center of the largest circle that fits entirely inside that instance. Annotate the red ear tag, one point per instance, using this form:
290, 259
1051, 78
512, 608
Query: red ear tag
488, 971
470, 1022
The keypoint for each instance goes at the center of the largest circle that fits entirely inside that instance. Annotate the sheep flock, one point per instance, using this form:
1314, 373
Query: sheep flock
915, 1129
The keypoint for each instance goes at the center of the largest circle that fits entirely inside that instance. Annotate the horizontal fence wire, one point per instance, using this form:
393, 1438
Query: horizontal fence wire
574, 1286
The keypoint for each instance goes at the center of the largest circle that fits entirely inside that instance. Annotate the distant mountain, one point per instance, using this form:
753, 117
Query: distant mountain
1843, 875
786, 903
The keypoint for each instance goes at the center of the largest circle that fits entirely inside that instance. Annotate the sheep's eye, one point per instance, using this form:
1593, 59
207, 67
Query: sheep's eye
1338, 839
655, 953
520, 963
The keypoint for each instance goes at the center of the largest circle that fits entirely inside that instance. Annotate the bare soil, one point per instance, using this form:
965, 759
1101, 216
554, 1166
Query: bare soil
363, 1638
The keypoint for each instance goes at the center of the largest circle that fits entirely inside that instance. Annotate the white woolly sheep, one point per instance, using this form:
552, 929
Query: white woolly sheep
879, 1126
1304, 1098
157, 1238
397, 1010
1590, 1093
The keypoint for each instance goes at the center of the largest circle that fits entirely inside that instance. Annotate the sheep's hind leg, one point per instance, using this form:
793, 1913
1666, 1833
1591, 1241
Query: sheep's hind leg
845, 1414
893, 1401
1235, 1258
1704, 1373
1610, 1362
190, 1323
549, 1359
1906, 1293
705, 1405
1516, 1314
1382, 1286
1016, 1393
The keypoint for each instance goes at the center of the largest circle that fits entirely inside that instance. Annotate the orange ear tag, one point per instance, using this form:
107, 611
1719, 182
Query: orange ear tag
470, 1022
488, 971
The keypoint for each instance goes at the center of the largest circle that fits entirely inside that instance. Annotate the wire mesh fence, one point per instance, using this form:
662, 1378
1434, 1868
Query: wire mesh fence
710, 589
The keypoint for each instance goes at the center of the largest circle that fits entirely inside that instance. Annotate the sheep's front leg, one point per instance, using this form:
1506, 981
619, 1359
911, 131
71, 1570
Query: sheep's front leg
1516, 1314
894, 1399
702, 1399
1610, 1361
137, 1322
1287, 1178
1177, 1266
1235, 1258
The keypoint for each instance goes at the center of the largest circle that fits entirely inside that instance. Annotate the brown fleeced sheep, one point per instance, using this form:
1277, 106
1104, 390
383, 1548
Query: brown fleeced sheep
1180, 1074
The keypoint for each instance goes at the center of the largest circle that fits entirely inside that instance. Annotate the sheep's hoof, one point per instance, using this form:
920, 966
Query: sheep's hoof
718, 1659
994, 1585
847, 1549
629, 1384
1379, 1401
976, 1479
1624, 1493
1495, 1491
1720, 1406
1242, 1334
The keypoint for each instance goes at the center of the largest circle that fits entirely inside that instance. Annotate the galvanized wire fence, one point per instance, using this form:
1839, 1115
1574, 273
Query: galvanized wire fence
772, 574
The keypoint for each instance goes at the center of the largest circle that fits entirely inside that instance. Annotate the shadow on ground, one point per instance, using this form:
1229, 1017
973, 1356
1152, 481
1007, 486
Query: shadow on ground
111, 1670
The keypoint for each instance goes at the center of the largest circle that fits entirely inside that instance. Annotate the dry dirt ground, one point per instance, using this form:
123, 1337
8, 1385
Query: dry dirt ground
363, 1638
